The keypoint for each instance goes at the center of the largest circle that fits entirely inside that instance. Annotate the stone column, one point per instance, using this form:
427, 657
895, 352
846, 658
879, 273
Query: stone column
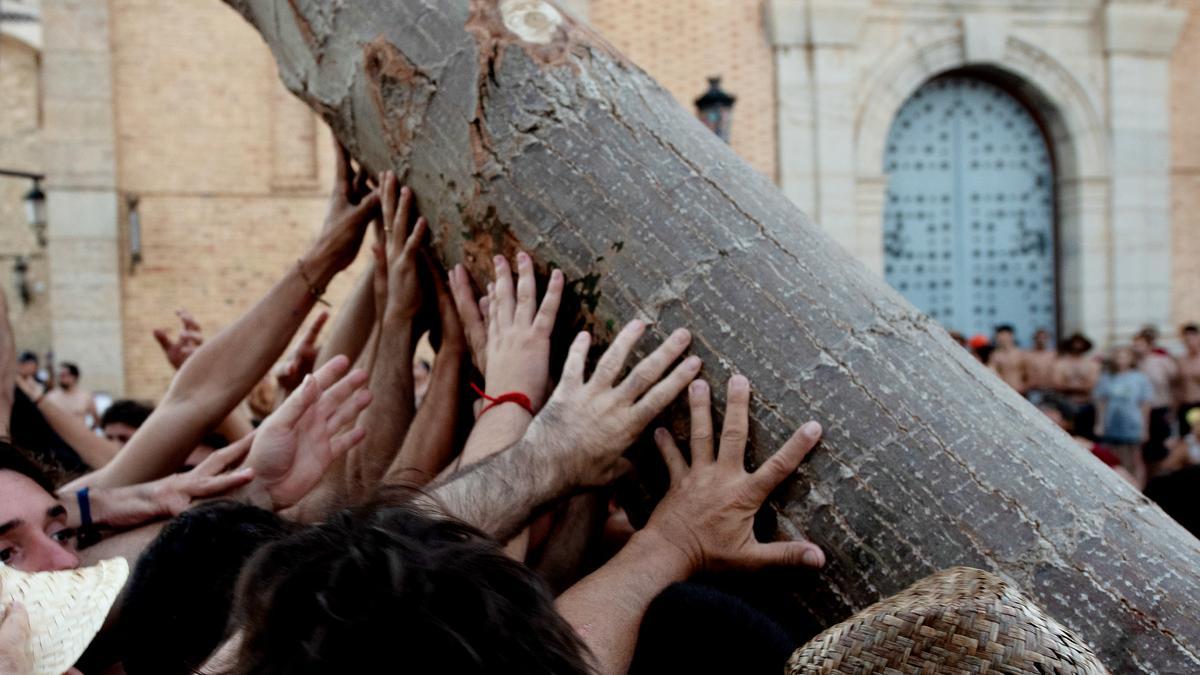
815, 48
82, 204
1139, 39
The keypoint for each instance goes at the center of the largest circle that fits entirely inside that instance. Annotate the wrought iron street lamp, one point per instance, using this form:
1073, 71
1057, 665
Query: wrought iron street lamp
715, 108
35, 203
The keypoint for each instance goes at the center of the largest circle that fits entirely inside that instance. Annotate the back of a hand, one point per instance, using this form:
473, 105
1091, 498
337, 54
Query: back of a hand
708, 512
587, 424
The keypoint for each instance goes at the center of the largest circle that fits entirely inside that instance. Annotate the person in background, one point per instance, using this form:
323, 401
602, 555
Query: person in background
1075, 376
1189, 377
1006, 360
122, 418
1039, 367
1123, 400
1162, 372
29, 368
73, 398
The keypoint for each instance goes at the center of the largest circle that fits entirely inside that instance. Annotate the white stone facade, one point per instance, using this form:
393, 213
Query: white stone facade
1095, 72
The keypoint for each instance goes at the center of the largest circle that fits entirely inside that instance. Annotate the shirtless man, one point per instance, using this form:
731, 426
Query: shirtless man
1189, 376
1075, 376
72, 397
1006, 359
1039, 365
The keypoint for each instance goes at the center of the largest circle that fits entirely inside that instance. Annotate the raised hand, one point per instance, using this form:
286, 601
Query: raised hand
297, 443
451, 338
587, 424
171, 496
518, 331
190, 338
351, 209
290, 374
708, 512
403, 274
472, 315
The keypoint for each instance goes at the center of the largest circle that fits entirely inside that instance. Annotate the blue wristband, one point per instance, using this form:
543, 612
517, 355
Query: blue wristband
85, 508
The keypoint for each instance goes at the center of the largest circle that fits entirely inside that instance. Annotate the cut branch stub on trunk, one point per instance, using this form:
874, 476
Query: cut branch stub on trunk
516, 126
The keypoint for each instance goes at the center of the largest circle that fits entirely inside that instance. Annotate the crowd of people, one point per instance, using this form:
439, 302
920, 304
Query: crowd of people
338, 508
356, 502
1135, 406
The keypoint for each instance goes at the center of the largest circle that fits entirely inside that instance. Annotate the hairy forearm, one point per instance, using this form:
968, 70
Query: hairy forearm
217, 377
387, 419
502, 493
353, 323
429, 445
607, 607
94, 450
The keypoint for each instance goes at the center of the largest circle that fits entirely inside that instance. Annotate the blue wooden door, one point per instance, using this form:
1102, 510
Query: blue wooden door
969, 217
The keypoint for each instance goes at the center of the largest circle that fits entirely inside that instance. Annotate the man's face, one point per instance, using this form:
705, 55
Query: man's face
1004, 339
27, 368
119, 433
1192, 342
1141, 346
1041, 339
1124, 359
33, 527
66, 378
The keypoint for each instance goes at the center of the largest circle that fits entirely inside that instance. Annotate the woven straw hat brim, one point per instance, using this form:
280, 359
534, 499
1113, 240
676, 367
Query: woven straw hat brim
960, 621
66, 609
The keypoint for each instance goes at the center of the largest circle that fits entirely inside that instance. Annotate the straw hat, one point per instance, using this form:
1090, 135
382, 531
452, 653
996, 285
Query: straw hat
959, 621
66, 609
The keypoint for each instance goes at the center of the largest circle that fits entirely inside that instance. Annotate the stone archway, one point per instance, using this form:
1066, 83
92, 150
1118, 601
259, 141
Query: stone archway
1068, 109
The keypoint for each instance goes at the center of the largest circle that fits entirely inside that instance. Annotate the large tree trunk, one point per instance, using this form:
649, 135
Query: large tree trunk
546, 138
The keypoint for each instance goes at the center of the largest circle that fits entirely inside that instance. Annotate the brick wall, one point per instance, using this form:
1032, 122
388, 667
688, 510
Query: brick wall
20, 138
683, 42
1185, 173
226, 203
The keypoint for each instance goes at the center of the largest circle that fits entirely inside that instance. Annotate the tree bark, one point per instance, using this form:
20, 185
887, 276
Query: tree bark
517, 126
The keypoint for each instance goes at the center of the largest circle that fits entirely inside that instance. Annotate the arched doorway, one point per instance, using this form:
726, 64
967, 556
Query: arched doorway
969, 233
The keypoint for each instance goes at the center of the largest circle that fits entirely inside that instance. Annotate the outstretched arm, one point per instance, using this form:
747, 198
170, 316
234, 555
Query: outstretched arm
222, 372
354, 321
386, 422
96, 451
517, 349
430, 443
705, 522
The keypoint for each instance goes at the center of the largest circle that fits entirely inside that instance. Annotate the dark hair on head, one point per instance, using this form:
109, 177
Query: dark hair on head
126, 411
1148, 333
1005, 328
387, 587
12, 459
176, 605
689, 628
1190, 328
70, 368
27, 357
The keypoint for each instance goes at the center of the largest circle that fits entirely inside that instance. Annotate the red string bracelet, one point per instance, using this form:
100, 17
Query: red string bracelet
510, 397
